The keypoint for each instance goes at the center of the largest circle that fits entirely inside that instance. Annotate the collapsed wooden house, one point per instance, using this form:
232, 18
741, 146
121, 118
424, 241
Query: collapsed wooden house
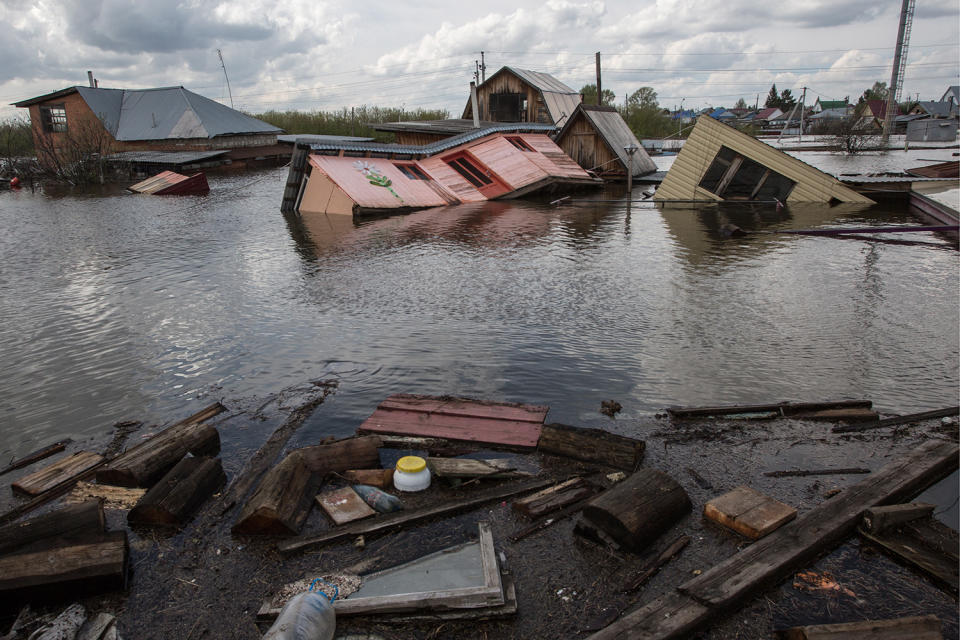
483, 164
719, 163
597, 138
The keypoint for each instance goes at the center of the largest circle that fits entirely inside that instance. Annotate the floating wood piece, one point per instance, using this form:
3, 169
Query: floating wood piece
899, 420
89, 565
914, 628
638, 510
86, 517
816, 472
400, 519
282, 501
653, 564
170, 183
775, 557
492, 468
111, 497
50, 476
349, 453
592, 445
179, 493
344, 505
927, 544
380, 478
554, 498
848, 415
505, 424
36, 456
879, 519
749, 512
143, 465
783, 408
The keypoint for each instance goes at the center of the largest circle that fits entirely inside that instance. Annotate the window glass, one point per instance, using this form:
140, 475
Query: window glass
53, 118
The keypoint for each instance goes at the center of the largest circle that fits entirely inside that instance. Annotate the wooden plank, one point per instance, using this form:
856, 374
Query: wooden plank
849, 414
749, 512
554, 498
344, 505
785, 408
380, 478
914, 628
493, 468
72, 519
718, 590
510, 433
592, 445
899, 420
36, 456
467, 408
910, 545
815, 472
349, 453
878, 519
282, 501
404, 518
50, 476
109, 496
179, 493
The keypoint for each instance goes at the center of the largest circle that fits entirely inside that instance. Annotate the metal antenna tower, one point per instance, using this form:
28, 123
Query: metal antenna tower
899, 66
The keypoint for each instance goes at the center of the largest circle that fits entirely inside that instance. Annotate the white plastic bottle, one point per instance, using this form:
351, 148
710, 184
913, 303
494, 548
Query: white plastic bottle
306, 616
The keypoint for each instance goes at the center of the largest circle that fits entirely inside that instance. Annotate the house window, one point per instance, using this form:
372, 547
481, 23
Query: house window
519, 143
53, 118
508, 107
735, 177
469, 171
412, 171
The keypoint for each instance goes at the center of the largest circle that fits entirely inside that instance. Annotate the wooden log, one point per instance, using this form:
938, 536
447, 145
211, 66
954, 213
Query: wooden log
879, 519
36, 456
915, 628
638, 510
749, 512
653, 564
783, 408
179, 493
815, 472
381, 478
492, 468
89, 565
718, 590
543, 523
554, 498
282, 501
349, 453
51, 475
899, 420
143, 466
592, 445
403, 518
85, 517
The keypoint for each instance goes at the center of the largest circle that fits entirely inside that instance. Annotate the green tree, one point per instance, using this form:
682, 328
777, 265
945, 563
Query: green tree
589, 93
878, 91
741, 104
787, 101
644, 116
773, 98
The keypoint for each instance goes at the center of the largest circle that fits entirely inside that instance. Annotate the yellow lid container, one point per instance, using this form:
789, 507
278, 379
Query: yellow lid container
411, 464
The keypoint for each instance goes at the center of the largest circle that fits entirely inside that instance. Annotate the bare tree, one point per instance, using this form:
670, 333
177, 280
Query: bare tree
76, 155
849, 136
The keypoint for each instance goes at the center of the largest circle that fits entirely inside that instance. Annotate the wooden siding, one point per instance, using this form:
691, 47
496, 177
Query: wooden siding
409, 193
582, 143
416, 138
508, 83
700, 149
321, 195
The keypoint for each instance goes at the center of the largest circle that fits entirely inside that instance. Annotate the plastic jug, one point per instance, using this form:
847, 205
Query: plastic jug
306, 616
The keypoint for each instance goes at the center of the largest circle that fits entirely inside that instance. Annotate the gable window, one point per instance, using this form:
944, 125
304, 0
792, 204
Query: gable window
508, 107
53, 118
519, 143
735, 177
469, 171
412, 171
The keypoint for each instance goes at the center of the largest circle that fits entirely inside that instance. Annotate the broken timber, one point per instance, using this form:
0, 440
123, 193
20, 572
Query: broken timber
592, 445
36, 456
879, 519
766, 562
899, 420
50, 476
70, 520
927, 544
653, 564
349, 453
914, 628
748, 512
554, 498
179, 493
380, 478
401, 519
282, 501
494, 468
785, 409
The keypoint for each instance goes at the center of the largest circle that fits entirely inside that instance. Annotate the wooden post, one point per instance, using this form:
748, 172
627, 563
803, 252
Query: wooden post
83, 517
282, 501
599, 88
638, 510
178, 494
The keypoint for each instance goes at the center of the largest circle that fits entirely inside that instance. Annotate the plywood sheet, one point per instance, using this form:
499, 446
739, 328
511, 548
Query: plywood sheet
749, 512
344, 505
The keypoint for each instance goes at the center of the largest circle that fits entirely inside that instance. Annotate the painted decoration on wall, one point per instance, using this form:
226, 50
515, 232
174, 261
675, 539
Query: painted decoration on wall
371, 173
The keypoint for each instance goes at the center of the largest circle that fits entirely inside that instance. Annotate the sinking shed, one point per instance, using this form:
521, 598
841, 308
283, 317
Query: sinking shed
719, 163
596, 137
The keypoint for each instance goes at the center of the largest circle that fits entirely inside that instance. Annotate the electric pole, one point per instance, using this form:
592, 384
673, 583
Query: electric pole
227, 77
483, 69
899, 65
599, 89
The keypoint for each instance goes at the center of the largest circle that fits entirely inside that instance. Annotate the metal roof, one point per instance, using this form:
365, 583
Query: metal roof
313, 138
164, 157
616, 134
559, 99
424, 150
539, 80
450, 126
889, 179
942, 109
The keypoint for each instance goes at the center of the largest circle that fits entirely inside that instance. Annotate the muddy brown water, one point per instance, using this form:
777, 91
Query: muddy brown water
118, 307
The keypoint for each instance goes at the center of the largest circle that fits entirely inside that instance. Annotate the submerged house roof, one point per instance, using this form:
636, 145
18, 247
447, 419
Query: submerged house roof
952, 93
613, 132
938, 109
719, 163
160, 114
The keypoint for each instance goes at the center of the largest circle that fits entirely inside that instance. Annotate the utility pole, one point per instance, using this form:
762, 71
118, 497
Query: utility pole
483, 69
803, 102
227, 77
599, 89
899, 65
476, 73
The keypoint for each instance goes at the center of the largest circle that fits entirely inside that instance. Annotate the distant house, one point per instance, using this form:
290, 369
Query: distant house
824, 105
952, 94
125, 120
596, 137
719, 163
873, 113
768, 114
519, 95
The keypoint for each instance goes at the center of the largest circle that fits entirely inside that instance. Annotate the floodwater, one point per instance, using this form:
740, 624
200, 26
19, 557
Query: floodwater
117, 306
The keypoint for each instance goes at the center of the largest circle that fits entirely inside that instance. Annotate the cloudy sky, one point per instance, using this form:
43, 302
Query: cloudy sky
317, 54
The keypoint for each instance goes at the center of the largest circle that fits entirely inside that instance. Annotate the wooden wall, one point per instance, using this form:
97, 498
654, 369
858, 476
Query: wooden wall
582, 143
508, 83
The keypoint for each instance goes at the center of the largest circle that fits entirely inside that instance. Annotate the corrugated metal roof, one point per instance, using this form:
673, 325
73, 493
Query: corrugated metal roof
890, 179
450, 126
617, 134
539, 80
165, 157
424, 150
561, 105
312, 138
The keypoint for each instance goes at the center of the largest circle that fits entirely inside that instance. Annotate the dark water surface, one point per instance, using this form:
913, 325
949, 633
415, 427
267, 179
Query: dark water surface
116, 306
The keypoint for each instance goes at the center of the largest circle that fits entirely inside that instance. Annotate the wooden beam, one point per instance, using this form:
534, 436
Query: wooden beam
143, 466
784, 408
914, 628
404, 518
36, 456
179, 493
282, 501
554, 498
69, 520
878, 519
592, 445
50, 476
349, 453
899, 420
719, 590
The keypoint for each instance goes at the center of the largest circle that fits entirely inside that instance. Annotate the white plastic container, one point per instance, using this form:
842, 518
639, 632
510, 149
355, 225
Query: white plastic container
411, 474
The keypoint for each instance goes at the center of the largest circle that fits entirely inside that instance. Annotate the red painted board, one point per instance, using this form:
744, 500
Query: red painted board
194, 184
437, 425
464, 407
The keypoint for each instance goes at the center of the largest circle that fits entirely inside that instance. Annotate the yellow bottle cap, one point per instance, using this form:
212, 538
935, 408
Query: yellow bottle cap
411, 464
